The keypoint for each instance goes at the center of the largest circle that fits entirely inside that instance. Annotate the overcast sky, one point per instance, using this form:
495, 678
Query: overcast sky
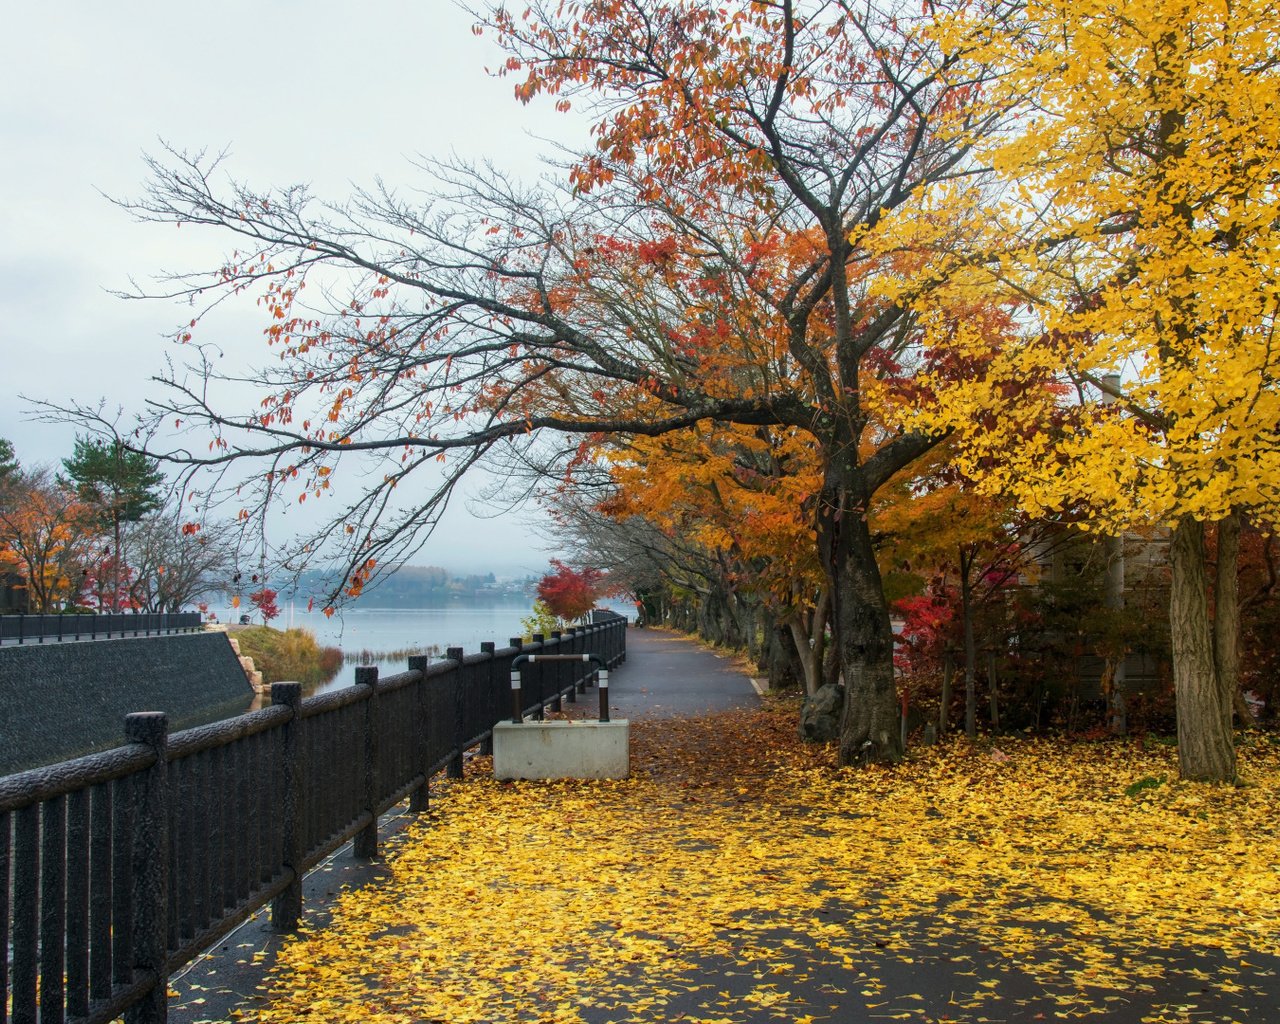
320, 91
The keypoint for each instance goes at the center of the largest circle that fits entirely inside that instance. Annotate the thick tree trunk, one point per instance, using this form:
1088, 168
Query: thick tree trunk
782, 660
1205, 749
732, 631
869, 726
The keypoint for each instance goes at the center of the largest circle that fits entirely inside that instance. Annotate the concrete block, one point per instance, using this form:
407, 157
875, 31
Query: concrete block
561, 750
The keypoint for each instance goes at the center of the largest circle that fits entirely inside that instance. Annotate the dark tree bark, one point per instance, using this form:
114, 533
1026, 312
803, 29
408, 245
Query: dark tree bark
782, 660
869, 730
1206, 751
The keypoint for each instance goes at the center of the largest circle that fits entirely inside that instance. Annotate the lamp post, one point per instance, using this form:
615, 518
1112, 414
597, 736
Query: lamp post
1113, 593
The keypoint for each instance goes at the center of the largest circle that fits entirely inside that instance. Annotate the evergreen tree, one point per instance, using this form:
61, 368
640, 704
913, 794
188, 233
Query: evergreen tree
8, 461
122, 485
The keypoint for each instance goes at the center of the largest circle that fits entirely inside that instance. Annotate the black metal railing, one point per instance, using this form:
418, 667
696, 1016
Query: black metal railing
118, 868
39, 629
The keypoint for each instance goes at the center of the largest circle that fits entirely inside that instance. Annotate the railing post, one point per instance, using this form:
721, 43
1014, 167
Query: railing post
286, 909
53, 909
459, 712
23, 987
575, 679
150, 858
557, 671
365, 844
539, 639
420, 798
491, 708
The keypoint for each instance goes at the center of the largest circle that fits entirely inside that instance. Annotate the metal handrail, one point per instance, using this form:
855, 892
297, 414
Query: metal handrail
517, 705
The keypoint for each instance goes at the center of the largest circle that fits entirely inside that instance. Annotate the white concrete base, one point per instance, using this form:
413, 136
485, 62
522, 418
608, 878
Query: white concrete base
561, 750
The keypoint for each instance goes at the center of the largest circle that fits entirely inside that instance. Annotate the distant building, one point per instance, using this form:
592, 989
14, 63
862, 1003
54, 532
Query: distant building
1137, 567
13, 593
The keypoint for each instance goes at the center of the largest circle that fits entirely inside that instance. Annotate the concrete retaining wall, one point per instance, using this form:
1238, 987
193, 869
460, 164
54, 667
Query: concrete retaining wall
63, 700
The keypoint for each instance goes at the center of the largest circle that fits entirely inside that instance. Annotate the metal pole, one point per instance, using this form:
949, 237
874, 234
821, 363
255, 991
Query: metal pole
517, 702
150, 855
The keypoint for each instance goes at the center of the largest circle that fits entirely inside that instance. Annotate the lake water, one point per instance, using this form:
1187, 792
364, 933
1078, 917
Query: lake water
379, 630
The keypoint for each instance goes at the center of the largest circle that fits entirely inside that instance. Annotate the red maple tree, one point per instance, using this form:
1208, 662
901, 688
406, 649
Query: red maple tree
570, 593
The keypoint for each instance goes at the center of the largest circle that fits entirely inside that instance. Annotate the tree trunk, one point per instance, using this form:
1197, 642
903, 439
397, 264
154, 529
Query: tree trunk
1205, 749
782, 659
944, 704
750, 613
115, 529
869, 725
808, 634
993, 690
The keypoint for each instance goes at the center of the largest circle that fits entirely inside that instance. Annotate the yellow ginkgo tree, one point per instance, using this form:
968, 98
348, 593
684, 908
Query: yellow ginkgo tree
1140, 223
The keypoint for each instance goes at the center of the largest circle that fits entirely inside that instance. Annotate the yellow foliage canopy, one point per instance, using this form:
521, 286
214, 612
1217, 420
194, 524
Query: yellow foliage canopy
1141, 220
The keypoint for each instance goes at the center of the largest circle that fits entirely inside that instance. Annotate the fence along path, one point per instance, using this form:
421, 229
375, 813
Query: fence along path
37, 629
118, 868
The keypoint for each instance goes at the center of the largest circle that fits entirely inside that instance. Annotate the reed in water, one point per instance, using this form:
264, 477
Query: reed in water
368, 657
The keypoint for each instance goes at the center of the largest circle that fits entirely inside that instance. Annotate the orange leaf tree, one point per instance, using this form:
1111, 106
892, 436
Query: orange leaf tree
46, 534
724, 256
744, 496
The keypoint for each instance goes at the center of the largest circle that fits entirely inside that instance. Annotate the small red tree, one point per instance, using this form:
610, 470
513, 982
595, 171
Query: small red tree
570, 594
105, 582
265, 601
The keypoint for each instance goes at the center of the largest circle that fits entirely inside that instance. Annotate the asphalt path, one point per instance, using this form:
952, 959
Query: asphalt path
667, 675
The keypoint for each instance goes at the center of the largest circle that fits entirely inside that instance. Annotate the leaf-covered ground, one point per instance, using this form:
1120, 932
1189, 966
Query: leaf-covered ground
738, 876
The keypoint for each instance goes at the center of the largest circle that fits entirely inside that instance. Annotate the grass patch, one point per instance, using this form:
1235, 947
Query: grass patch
290, 654
1143, 784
